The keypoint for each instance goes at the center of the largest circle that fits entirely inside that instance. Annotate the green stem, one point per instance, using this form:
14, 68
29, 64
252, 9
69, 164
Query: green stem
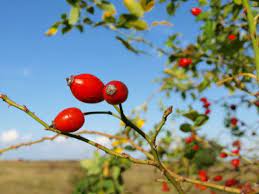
253, 35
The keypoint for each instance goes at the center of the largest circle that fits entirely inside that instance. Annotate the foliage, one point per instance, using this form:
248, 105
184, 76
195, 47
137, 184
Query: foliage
103, 175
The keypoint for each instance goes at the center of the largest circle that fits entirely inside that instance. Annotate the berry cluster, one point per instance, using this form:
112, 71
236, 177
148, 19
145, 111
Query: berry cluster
235, 152
88, 88
206, 105
203, 176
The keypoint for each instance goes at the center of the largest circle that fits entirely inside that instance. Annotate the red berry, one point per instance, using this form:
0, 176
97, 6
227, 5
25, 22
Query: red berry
115, 92
200, 187
86, 88
231, 182
204, 178
235, 163
217, 178
236, 143
184, 62
202, 173
204, 100
69, 120
223, 155
235, 151
256, 103
206, 105
232, 37
195, 147
233, 121
189, 139
207, 111
196, 11
165, 187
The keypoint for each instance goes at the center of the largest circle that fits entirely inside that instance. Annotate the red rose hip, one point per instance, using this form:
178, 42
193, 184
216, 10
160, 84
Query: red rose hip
232, 37
235, 163
86, 88
196, 11
69, 120
217, 178
184, 62
223, 155
115, 92
233, 121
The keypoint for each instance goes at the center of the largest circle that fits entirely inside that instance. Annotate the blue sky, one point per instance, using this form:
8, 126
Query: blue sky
34, 68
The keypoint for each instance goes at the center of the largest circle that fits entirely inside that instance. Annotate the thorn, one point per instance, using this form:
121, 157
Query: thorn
25, 108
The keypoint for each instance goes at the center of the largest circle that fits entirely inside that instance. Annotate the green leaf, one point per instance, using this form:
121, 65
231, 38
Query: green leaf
124, 19
129, 148
92, 166
134, 7
171, 8
203, 2
147, 5
186, 127
203, 85
138, 25
106, 6
192, 115
127, 45
116, 172
238, 2
74, 15
201, 120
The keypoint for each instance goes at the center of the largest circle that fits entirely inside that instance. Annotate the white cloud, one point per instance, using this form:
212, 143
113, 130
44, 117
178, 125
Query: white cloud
10, 135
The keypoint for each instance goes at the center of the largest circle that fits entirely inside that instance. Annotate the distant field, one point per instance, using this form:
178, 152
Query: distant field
58, 177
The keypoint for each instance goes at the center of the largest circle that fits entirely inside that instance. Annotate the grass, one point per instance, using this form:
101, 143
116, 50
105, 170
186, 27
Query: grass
59, 177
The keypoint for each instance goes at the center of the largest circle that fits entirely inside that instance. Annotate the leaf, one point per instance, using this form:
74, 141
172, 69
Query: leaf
140, 123
124, 19
238, 2
129, 148
92, 166
138, 25
201, 120
171, 8
52, 31
186, 127
127, 45
106, 6
80, 28
203, 85
134, 7
203, 2
72, 2
116, 172
192, 115
74, 15
164, 23
147, 5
